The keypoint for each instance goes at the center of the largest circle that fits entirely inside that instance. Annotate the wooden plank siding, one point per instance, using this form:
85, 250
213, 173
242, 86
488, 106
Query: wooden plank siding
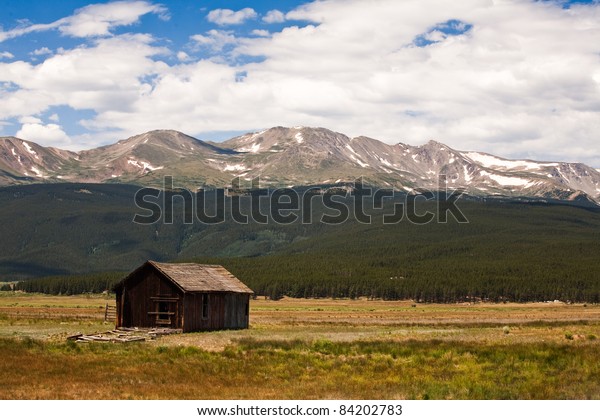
137, 305
150, 298
225, 311
237, 308
193, 319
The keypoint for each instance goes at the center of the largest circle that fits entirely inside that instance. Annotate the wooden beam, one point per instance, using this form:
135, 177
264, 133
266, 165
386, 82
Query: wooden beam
164, 299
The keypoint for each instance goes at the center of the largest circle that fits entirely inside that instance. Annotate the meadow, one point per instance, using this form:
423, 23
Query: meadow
308, 349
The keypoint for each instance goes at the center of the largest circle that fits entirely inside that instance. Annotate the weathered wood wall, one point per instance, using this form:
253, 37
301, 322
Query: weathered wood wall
225, 311
237, 308
135, 303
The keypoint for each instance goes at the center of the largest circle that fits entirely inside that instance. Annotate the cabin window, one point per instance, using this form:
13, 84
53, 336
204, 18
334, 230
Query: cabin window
247, 308
205, 306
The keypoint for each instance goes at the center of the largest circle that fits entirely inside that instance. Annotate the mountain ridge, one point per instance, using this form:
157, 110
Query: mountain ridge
295, 156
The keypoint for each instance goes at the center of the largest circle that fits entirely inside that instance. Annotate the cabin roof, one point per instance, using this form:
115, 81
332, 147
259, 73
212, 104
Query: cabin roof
191, 277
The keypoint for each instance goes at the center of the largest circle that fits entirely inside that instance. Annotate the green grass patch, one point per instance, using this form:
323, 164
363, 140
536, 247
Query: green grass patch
296, 369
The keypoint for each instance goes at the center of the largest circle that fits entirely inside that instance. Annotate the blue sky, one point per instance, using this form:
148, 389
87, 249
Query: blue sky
171, 27
516, 78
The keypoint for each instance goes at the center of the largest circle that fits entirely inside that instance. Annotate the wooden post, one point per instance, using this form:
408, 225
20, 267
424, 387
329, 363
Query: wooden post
122, 304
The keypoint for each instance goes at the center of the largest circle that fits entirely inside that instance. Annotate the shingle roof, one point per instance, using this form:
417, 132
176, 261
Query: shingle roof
192, 277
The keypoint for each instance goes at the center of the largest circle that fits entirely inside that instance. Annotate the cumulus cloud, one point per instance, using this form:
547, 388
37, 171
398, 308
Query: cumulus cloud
6, 54
29, 119
44, 133
515, 78
110, 74
99, 19
93, 20
42, 51
230, 17
183, 56
274, 16
215, 39
260, 32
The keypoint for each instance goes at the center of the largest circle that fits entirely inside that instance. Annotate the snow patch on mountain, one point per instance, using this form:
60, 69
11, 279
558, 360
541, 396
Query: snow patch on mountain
253, 148
238, 167
385, 162
30, 150
37, 172
15, 154
507, 181
493, 161
145, 166
360, 162
258, 134
248, 138
351, 149
467, 175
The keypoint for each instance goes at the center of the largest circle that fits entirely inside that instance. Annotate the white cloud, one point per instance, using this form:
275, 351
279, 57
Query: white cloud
54, 118
93, 20
44, 134
30, 120
42, 51
99, 19
230, 17
111, 74
514, 78
215, 39
435, 36
6, 54
183, 56
261, 32
274, 16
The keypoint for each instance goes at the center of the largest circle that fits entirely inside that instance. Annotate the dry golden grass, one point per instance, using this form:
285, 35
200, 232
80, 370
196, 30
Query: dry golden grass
349, 320
363, 311
299, 348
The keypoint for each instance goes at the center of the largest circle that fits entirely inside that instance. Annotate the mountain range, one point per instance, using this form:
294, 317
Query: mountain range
296, 156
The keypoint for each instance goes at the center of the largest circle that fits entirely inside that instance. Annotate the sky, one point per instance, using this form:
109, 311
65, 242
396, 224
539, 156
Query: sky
516, 78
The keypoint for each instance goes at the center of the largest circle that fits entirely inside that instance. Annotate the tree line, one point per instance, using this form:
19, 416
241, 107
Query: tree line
507, 252
71, 285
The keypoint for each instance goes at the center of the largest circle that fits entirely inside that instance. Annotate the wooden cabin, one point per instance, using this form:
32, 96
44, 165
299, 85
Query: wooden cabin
192, 297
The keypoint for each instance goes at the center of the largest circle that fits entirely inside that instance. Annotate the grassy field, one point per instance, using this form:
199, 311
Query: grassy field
308, 349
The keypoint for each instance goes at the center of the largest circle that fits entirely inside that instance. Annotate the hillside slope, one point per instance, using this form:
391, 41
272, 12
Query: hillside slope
508, 250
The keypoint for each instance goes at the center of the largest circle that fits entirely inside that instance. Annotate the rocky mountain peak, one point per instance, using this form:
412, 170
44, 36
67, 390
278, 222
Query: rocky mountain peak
285, 156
